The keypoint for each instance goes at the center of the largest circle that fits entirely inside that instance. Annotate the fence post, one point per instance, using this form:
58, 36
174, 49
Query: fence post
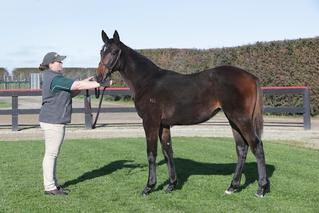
5, 82
87, 110
34, 81
15, 113
306, 114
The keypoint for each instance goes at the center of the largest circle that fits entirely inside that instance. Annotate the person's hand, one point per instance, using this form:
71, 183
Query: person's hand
106, 83
92, 78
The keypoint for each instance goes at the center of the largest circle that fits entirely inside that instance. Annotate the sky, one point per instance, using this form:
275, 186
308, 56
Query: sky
31, 28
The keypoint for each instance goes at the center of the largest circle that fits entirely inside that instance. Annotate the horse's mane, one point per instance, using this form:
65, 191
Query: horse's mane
136, 56
149, 65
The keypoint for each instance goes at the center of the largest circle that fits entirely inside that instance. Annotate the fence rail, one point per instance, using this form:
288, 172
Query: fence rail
12, 84
305, 109
33, 81
87, 110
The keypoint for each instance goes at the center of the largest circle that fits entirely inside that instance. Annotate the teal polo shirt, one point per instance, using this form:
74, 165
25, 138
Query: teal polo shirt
61, 83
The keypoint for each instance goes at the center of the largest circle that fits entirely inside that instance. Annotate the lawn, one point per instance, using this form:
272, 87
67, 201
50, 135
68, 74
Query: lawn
109, 175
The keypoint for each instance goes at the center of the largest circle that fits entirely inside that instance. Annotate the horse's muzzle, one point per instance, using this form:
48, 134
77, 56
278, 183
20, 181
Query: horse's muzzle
100, 71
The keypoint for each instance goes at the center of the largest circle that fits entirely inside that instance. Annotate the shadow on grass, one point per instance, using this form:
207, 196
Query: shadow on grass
105, 170
186, 168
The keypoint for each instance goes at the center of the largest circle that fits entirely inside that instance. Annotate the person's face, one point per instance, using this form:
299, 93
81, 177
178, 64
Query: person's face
56, 66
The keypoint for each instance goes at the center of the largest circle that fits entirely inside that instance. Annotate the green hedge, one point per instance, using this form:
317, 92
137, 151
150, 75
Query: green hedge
277, 63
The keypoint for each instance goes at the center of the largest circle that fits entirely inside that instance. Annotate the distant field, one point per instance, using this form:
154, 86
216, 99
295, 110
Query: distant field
14, 85
109, 175
4, 104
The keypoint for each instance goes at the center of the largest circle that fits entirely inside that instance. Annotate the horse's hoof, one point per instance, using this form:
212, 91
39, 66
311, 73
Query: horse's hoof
147, 190
170, 187
259, 195
262, 190
231, 189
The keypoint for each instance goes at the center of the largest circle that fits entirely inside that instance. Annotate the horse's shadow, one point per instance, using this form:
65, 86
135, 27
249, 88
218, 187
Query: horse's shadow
186, 168
102, 171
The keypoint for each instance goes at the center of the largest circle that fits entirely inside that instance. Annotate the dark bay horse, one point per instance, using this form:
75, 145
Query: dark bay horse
164, 98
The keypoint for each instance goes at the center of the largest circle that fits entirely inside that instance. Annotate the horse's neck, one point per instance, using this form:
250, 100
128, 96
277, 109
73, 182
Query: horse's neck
138, 70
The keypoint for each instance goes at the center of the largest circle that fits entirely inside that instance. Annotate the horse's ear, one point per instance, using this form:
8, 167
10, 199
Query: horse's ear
116, 36
104, 37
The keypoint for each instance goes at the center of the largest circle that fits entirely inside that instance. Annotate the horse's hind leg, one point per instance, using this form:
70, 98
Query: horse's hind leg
246, 129
256, 147
166, 142
263, 182
241, 149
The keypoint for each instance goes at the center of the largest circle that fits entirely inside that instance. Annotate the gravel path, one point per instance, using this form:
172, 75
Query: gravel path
286, 129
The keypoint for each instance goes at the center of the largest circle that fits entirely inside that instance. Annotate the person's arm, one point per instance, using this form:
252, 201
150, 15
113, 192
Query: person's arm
61, 83
75, 93
88, 83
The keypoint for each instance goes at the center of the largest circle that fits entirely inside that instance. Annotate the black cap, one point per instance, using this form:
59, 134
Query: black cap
52, 57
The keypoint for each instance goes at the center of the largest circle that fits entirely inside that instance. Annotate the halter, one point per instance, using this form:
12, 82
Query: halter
107, 75
110, 66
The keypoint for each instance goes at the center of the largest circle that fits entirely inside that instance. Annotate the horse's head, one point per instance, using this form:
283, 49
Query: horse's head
110, 55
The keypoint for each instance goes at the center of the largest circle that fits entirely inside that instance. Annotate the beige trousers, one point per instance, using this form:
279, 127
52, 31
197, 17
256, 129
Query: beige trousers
53, 136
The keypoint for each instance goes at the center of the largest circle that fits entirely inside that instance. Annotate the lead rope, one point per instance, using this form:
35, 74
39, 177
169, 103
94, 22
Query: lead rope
98, 109
97, 94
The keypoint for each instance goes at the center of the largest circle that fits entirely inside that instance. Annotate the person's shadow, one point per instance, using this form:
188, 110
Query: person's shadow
186, 168
102, 171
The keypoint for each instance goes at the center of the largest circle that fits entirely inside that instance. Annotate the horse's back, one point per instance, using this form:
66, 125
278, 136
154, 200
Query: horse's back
216, 79
231, 72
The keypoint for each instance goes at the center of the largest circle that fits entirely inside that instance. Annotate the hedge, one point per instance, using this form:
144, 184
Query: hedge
277, 63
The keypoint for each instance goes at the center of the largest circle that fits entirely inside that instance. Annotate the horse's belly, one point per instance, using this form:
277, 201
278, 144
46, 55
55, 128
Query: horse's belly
188, 117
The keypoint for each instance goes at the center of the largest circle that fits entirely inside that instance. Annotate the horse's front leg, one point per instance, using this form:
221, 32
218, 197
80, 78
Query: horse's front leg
166, 142
151, 133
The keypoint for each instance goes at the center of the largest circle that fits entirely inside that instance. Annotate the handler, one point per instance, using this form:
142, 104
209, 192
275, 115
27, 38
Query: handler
57, 93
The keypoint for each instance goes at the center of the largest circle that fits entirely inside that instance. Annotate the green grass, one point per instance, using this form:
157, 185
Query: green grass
109, 175
4, 104
14, 85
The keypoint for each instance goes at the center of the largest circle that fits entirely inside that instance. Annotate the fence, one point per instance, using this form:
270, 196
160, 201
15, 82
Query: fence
87, 110
305, 109
15, 93
13, 82
10, 82
35, 80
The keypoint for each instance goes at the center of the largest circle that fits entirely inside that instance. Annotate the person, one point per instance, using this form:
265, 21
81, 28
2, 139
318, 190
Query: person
57, 93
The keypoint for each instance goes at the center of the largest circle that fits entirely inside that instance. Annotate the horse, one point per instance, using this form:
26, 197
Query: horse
164, 98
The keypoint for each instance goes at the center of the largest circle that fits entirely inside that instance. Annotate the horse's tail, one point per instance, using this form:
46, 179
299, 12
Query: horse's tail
258, 119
